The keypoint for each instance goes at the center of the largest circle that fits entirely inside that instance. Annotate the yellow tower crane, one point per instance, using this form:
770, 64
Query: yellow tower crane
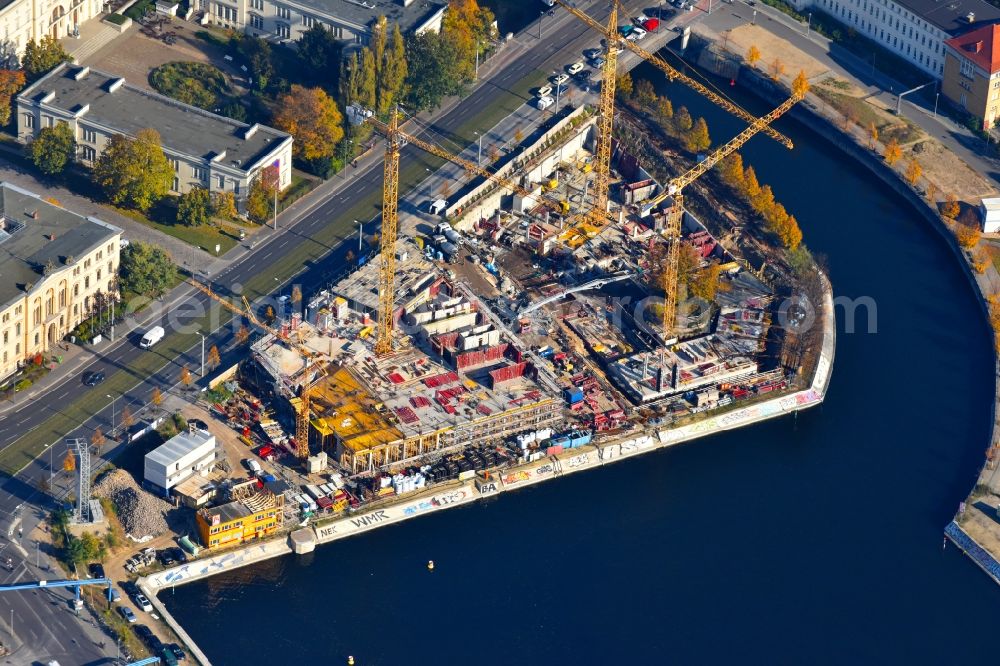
390, 225
605, 120
301, 403
614, 39
674, 191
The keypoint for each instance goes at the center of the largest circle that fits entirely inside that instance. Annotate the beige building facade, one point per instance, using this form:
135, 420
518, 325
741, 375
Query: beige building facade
971, 78
53, 263
22, 21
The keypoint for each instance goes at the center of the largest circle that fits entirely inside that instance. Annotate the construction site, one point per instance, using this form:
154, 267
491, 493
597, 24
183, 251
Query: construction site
548, 306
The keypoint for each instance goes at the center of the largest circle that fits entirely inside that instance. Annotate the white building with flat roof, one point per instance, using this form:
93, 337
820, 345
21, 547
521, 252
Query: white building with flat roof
989, 215
179, 458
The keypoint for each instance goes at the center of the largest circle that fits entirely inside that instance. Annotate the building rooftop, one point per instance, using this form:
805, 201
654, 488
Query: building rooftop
179, 446
228, 512
109, 101
412, 17
35, 234
952, 15
981, 46
991, 204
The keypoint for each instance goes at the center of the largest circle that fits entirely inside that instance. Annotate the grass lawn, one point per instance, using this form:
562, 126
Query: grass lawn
21, 452
864, 114
205, 237
196, 83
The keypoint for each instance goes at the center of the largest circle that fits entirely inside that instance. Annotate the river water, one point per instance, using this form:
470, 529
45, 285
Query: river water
815, 539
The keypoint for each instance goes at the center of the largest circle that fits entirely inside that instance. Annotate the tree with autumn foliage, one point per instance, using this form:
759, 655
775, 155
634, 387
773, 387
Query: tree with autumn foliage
11, 82
696, 139
872, 136
893, 153
156, 397
731, 170
69, 462
777, 69
242, 335
185, 376
313, 119
704, 282
967, 229
213, 359
98, 439
913, 172
950, 208
753, 55
134, 172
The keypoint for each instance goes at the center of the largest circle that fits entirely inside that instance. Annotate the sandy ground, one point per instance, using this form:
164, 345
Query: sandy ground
742, 38
949, 173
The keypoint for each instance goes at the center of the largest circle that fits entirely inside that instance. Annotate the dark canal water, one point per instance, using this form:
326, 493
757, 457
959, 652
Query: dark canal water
816, 540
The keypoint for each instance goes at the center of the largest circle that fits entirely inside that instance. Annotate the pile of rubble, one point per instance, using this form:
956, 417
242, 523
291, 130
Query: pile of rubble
141, 514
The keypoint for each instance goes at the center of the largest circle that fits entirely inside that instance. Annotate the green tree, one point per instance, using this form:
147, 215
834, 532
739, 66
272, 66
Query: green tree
260, 199
194, 207
433, 65
42, 56
645, 94
53, 149
11, 82
393, 71
313, 119
224, 205
664, 111
146, 269
350, 79
257, 51
697, 139
367, 80
319, 53
134, 172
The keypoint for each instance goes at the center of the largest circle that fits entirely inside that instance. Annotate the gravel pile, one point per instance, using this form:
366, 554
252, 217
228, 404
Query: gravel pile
140, 513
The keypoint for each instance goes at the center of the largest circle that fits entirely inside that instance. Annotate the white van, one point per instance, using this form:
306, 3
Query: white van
152, 336
544, 103
437, 207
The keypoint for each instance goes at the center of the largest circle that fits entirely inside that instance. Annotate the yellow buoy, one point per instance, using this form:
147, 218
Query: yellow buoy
350, 661
430, 565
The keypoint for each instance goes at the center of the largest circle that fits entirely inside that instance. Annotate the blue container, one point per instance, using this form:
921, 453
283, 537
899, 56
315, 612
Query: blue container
573, 395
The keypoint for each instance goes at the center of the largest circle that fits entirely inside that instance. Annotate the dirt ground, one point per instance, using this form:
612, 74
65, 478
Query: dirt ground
949, 173
742, 38
139, 54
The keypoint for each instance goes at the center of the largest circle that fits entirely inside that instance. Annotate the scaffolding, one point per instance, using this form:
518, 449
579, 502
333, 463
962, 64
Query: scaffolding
81, 448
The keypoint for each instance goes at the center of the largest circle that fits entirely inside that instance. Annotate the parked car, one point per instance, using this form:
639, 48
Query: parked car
142, 602
96, 570
178, 653
636, 34
544, 103
143, 632
583, 76
598, 61
169, 658
127, 614
544, 91
575, 67
93, 378
560, 79
590, 54
253, 466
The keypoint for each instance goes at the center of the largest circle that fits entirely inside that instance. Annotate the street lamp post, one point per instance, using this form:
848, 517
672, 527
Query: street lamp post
114, 399
479, 155
540, 17
936, 96
202, 354
753, 21
809, 21
361, 228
